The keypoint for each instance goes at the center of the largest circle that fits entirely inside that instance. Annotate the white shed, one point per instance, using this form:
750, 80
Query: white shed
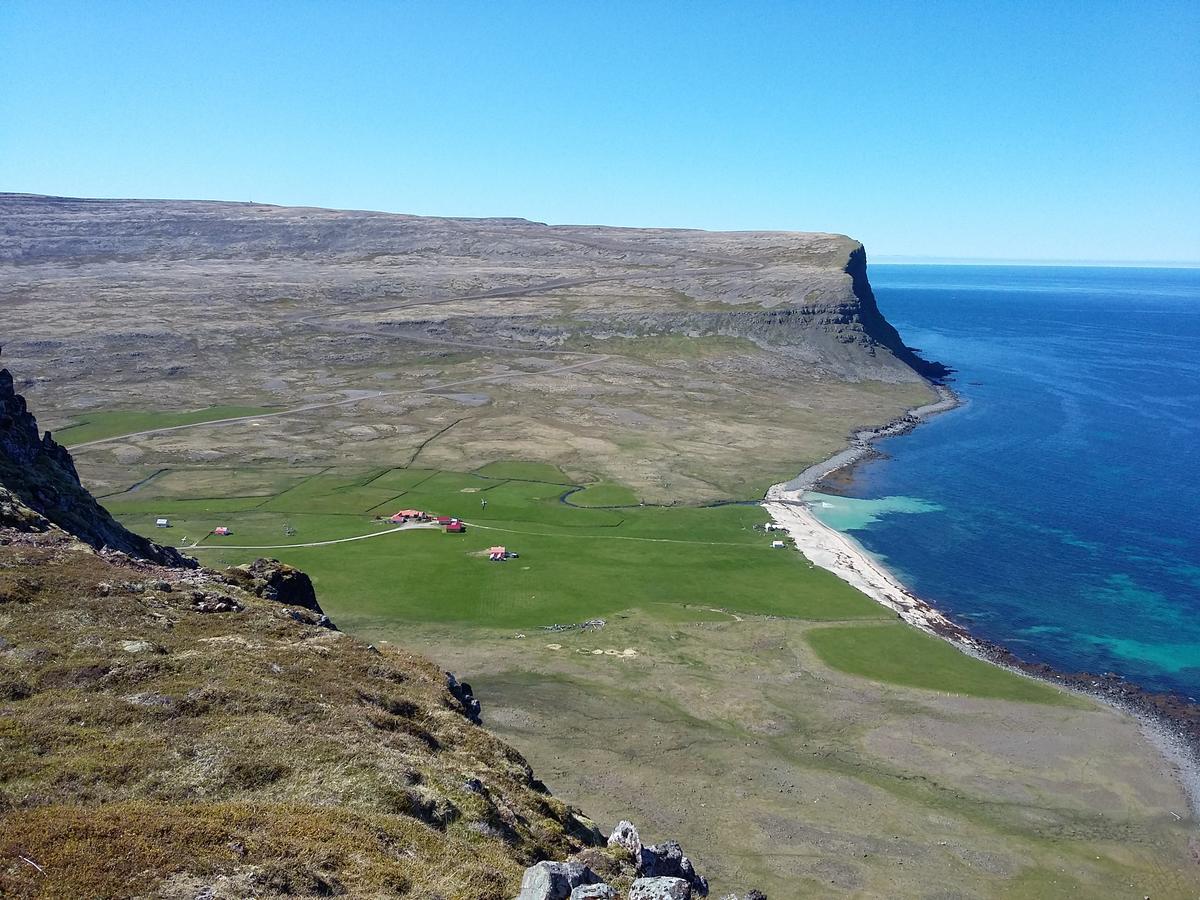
162, 523
778, 545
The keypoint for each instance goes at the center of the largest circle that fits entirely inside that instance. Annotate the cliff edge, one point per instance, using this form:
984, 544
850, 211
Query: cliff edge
40, 474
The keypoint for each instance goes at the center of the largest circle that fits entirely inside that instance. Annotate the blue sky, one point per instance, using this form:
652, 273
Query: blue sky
1018, 130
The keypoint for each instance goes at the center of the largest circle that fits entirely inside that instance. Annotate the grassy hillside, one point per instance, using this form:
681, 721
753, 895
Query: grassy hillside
149, 747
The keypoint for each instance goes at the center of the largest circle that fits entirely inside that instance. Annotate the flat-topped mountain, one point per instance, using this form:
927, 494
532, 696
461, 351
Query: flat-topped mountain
803, 293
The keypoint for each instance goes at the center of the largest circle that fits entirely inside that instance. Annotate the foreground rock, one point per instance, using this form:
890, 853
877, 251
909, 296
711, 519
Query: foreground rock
631, 872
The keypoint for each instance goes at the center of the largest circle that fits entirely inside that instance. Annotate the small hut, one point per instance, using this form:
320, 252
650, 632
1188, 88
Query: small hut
222, 531
161, 522
497, 554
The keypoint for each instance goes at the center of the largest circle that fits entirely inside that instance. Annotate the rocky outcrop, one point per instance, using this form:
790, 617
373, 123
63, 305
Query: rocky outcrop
555, 880
38, 472
667, 860
273, 580
461, 692
626, 870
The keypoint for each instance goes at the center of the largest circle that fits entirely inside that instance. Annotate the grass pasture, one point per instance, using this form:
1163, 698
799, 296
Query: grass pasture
575, 563
97, 425
898, 654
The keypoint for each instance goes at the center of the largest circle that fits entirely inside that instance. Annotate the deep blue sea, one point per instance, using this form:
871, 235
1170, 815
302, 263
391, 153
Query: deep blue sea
1058, 511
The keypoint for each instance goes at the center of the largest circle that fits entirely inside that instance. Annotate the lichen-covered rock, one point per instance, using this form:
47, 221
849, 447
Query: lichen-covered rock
554, 880
660, 888
594, 892
626, 835
666, 860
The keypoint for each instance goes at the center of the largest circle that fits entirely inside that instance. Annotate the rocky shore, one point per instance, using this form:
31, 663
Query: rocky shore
1170, 721
862, 442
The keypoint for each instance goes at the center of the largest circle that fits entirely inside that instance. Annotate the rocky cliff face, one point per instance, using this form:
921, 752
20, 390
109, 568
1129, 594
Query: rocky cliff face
41, 475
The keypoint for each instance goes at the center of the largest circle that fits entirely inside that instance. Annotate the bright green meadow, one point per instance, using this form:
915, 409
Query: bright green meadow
574, 563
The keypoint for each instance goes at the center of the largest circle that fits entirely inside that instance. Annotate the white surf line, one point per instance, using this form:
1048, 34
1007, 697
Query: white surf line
314, 406
361, 537
831, 550
607, 537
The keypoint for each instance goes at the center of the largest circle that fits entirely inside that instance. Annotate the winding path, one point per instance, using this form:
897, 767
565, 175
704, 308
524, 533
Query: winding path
374, 534
360, 537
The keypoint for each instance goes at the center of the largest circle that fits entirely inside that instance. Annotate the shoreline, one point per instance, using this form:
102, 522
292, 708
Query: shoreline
1170, 723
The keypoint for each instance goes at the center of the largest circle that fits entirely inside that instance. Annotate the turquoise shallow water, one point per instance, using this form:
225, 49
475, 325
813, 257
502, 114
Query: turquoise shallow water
1058, 511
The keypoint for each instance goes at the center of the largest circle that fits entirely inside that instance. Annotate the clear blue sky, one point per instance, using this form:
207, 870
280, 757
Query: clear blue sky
962, 129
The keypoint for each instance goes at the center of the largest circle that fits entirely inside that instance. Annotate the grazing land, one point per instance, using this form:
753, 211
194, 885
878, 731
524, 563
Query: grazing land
736, 696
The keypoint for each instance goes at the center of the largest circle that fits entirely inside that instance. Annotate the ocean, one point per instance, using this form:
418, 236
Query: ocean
1057, 512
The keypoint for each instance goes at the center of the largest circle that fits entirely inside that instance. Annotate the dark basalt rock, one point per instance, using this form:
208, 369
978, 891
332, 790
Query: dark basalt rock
461, 691
273, 580
40, 475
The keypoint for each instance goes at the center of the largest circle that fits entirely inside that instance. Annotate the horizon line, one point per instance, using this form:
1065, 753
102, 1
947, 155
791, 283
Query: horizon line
890, 259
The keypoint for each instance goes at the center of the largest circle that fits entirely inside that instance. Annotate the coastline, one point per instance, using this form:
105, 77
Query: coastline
1170, 723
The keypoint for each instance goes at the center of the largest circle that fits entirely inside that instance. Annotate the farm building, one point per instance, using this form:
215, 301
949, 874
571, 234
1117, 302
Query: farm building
162, 523
221, 531
497, 554
446, 520
455, 527
778, 545
410, 515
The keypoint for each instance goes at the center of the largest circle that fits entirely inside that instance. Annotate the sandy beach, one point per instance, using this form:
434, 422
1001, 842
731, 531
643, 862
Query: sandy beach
841, 555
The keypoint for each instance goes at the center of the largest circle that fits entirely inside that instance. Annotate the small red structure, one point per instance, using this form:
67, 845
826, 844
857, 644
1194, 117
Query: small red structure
406, 515
446, 520
221, 531
497, 554
455, 527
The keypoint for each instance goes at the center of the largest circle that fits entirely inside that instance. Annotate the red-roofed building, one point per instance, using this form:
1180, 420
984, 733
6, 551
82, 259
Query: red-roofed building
406, 515
455, 527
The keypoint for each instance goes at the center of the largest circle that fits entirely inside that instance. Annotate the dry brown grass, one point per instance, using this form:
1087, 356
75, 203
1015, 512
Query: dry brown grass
145, 745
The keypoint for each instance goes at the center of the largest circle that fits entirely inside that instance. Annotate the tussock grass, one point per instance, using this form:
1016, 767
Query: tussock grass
147, 748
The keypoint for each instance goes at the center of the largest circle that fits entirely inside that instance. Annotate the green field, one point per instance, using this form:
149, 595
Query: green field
899, 654
98, 425
603, 494
573, 564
